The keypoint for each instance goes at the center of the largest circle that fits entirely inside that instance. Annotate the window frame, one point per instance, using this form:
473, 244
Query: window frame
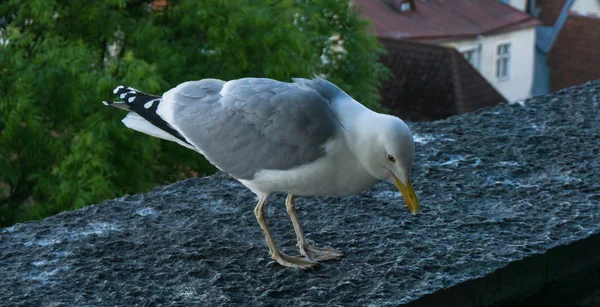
503, 59
474, 57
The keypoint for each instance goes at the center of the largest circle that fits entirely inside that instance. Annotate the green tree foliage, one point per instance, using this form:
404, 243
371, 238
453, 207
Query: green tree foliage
61, 149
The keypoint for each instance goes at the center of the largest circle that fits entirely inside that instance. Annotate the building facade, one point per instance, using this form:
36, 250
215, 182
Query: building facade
497, 38
567, 43
505, 60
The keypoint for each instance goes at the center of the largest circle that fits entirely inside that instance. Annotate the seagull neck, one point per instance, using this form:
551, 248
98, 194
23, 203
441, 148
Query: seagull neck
365, 129
351, 114
366, 123
360, 125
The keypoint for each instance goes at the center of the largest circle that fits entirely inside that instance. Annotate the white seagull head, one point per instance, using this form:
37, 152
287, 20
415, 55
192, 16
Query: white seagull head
390, 155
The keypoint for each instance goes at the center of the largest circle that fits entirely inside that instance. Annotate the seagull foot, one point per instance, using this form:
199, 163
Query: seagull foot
320, 254
297, 262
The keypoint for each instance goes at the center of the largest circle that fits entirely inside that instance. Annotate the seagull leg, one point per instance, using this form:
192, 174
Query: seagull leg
312, 253
281, 258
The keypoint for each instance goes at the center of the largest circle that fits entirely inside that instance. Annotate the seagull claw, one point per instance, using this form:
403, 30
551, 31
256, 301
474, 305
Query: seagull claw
297, 262
320, 254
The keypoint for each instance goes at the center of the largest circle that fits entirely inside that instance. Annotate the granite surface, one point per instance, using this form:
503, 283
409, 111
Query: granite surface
496, 186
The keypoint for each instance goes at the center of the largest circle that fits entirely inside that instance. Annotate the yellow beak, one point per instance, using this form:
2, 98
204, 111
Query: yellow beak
409, 195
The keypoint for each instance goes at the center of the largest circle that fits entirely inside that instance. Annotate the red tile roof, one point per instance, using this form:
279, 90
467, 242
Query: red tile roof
444, 19
575, 55
432, 82
550, 10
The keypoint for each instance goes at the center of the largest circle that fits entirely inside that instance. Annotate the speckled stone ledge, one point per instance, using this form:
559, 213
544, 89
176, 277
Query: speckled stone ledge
499, 189
514, 284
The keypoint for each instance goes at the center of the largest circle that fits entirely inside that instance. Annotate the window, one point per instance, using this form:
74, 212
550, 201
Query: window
503, 61
472, 56
400, 6
405, 6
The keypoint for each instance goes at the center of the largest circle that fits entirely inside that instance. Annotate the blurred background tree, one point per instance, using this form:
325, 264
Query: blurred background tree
61, 149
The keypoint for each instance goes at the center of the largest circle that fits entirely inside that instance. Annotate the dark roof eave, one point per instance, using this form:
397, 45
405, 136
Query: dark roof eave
521, 24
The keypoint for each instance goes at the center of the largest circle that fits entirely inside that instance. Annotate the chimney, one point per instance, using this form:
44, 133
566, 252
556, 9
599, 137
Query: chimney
401, 6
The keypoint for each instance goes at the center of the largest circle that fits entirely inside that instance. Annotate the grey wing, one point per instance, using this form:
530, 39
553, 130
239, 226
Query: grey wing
246, 125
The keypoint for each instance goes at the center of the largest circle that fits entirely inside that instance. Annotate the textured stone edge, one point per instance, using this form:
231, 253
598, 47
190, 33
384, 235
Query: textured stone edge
521, 278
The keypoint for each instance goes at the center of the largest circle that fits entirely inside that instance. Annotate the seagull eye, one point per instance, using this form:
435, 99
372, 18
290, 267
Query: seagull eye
391, 159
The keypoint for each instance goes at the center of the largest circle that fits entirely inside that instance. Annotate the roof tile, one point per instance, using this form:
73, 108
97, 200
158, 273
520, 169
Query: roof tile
432, 82
444, 19
550, 10
574, 57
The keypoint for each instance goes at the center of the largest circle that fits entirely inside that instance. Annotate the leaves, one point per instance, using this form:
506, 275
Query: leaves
61, 149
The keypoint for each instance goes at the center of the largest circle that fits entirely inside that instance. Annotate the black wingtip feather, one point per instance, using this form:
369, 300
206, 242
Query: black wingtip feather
146, 106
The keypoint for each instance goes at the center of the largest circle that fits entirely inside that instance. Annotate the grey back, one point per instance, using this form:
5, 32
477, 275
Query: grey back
256, 124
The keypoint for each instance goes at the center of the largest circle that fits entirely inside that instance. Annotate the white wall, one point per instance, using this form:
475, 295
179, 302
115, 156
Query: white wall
586, 6
522, 51
518, 4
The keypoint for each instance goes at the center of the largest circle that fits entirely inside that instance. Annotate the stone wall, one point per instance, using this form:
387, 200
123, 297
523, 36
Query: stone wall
497, 187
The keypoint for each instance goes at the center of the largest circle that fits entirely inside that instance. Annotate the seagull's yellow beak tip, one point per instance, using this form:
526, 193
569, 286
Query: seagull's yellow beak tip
413, 207
415, 212
410, 197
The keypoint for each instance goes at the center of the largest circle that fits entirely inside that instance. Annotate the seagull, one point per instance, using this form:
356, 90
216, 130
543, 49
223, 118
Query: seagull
304, 138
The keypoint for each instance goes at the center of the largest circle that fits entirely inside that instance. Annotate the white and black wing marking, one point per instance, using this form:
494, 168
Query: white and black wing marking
241, 126
143, 117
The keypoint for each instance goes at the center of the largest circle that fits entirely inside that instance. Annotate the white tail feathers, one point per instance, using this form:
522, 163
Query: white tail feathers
136, 122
